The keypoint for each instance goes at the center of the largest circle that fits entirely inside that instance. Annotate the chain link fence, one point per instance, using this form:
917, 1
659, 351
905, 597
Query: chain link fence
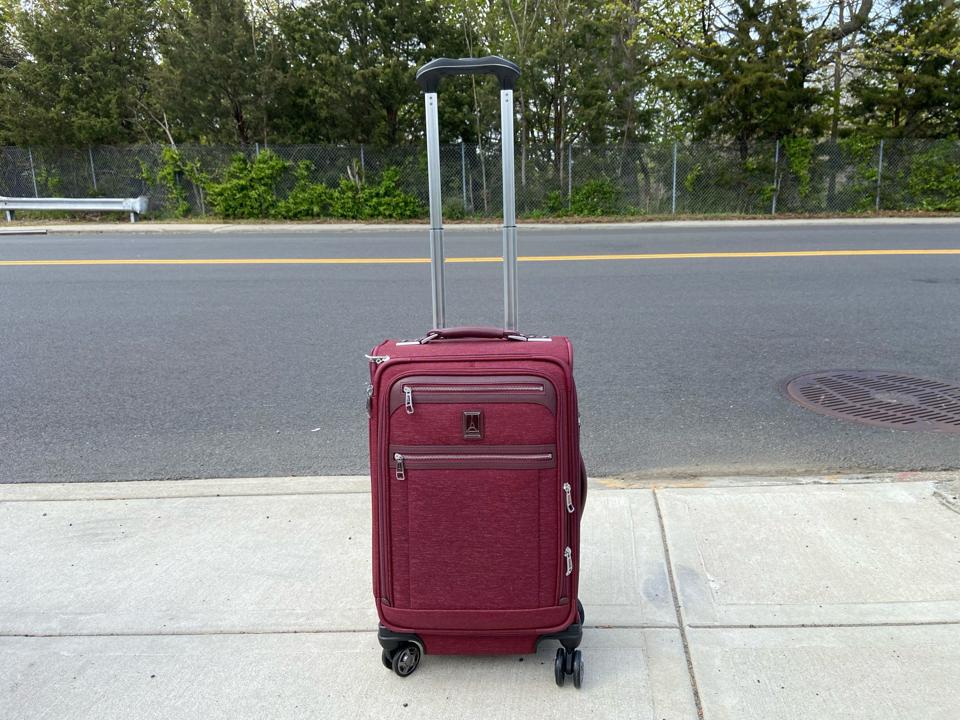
794, 176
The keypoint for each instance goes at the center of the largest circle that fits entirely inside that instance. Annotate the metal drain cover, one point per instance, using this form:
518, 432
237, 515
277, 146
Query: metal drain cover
880, 398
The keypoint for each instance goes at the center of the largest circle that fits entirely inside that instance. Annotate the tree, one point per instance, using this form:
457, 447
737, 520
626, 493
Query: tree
351, 65
909, 73
209, 76
82, 72
755, 70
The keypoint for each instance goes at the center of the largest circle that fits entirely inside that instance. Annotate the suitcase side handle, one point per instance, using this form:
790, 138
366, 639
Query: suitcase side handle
506, 72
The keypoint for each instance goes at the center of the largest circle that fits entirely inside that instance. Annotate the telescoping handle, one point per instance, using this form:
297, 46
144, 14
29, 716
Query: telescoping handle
429, 79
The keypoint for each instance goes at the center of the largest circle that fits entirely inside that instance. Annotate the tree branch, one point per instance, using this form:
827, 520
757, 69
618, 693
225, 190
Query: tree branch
857, 20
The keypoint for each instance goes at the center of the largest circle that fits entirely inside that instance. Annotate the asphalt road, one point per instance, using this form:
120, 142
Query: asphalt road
171, 371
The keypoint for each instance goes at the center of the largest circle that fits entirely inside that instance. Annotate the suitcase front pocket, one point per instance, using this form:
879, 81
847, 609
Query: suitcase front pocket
482, 526
456, 389
487, 457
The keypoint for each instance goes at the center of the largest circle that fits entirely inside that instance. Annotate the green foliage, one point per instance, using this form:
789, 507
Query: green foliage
454, 210
556, 204
690, 181
908, 78
211, 82
307, 199
384, 200
934, 179
596, 197
799, 152
75, 73
49, 182
169, 175
248, 189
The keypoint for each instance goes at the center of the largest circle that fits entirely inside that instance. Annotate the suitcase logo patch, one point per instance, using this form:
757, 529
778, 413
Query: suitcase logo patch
473, 424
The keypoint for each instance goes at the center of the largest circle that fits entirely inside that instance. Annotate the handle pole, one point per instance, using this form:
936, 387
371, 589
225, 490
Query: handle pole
510, 314
436, 215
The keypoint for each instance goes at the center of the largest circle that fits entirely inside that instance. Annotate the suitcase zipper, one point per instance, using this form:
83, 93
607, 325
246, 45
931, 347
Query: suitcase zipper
441, 460
568, 495
466, 390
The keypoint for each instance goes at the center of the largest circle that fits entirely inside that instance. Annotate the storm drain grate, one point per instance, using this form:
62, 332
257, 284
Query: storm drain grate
880, 398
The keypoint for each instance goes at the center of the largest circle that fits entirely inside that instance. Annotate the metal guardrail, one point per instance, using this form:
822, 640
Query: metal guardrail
135, 206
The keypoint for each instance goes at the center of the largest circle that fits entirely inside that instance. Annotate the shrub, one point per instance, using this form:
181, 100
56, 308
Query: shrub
384, 200
556, 205
596, 197
387, 200
934, 180
248, 189
307, 199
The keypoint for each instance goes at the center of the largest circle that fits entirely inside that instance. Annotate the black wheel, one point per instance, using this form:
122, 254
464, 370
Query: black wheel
577, 668
559, 667
387, 660
406, 659
568, 663
580, 612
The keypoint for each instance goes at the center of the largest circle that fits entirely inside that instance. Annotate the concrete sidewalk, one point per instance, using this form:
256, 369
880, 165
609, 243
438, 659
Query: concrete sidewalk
250, 598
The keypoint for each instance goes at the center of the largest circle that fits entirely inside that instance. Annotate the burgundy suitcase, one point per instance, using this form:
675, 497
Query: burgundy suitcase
477, 481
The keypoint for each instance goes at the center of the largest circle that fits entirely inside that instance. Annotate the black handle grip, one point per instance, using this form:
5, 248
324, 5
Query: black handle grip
428, 77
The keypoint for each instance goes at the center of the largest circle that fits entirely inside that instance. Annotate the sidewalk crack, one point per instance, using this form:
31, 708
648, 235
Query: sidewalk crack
681, 624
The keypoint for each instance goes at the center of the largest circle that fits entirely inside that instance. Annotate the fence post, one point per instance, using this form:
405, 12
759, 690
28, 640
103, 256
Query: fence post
673, 201
569, 174
93, 170
256, 147
776, 179
463, 173
33, 173
363, 165
879, 175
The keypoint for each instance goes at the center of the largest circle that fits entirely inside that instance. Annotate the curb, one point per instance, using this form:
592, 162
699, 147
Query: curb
303, 228
360, 484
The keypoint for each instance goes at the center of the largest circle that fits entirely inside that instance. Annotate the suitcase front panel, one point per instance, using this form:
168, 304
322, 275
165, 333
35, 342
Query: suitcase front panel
470, 540
476, 512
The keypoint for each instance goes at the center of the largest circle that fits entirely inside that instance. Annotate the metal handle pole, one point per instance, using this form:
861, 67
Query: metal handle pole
510, 318
436, 215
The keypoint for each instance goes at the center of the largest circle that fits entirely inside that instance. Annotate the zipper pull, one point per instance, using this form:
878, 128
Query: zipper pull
568, 554
568, 491
408, 398
369, 400
401, 475
377, 359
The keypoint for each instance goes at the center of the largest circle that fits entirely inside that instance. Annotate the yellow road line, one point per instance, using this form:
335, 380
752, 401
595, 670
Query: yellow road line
484, 259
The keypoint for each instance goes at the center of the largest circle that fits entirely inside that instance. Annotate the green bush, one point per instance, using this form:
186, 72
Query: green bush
596, 197
454, 210
384, 200
934, 180
169, 175
307, 199
556, 205
248, 189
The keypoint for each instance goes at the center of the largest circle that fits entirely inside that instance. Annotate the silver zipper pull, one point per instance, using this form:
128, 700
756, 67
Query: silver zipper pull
377, 359
369, 399
568, 491
408, 398
568, 554
401, 475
